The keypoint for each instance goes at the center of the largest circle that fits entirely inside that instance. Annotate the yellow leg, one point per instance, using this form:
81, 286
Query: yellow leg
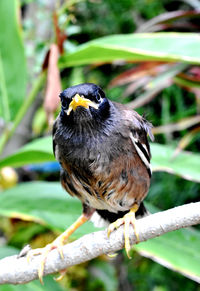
128, 219
56, 244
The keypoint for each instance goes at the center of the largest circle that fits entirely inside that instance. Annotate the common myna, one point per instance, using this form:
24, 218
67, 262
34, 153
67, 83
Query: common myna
103, 150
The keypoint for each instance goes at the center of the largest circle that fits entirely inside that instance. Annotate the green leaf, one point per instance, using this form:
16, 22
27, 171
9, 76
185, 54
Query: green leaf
40, 150
6, 251
49, 284
186, 164
137, 47
43, 202
178, 250
12, 61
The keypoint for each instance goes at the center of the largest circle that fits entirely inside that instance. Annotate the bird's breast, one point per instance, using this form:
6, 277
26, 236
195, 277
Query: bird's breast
103, 173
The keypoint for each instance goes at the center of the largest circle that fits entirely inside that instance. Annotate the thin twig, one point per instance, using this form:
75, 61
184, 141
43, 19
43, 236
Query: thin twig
16, 270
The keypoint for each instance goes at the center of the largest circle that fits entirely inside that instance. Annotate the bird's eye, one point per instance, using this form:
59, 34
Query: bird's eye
98, 97
64, 103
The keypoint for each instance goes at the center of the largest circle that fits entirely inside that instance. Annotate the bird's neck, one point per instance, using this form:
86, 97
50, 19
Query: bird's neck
89, 126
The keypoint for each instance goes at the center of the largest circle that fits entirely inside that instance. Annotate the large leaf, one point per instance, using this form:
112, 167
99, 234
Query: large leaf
38, 151
12, 61
43, 202
49, 284
186, 164
178, 250
137, 47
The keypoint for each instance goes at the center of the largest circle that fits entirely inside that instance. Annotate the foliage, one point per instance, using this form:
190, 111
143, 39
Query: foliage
12, 68
157, 72
136, 47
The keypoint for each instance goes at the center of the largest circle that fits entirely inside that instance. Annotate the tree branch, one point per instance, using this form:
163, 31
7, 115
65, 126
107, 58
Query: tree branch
16, 270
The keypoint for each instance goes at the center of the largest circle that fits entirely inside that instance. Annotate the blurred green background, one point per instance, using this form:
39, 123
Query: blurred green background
143, 53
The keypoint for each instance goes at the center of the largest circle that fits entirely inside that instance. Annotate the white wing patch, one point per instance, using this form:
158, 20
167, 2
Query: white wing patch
140, 152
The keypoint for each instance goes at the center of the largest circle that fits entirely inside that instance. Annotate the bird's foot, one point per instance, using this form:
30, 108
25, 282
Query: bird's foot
128, 219
56, 244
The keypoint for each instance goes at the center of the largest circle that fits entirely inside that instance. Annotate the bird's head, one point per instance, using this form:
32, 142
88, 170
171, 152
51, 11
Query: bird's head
84, 102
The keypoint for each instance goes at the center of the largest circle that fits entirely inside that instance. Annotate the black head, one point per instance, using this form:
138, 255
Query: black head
97, 108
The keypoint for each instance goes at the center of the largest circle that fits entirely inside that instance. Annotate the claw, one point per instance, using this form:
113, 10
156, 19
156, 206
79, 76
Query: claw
112, 255
32, 253
47, 249
60, 250
56, 244
115, 225
62, 274
128, 219
126, 235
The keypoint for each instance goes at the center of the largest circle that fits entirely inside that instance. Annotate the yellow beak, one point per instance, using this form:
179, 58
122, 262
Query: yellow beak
78, 100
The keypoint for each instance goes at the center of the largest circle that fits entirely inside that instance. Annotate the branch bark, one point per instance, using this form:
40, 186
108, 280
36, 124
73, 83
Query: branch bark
16, 270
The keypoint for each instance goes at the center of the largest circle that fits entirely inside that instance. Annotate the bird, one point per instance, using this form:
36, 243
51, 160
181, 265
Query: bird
104, 153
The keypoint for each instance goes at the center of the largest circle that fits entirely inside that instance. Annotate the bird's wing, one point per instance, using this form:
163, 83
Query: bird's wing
138, 129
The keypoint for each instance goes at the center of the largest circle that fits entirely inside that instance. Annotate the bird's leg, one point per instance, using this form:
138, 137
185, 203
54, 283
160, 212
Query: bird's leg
56, 244
128, 219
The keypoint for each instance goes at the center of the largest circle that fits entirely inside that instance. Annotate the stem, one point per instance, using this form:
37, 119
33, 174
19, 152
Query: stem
8, 133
